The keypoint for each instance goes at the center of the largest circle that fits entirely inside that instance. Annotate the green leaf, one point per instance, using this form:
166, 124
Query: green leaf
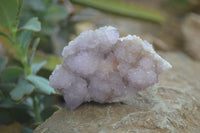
122, 8
8, 12
7, 103
33, 24
56, 13
28, 102
26, 129
36, 4
3, 63
34, 47
6, 88
6, 36
52, 60
24, 38
47, 112
37, 66
10, 74
41, 84
23, 88
48, 29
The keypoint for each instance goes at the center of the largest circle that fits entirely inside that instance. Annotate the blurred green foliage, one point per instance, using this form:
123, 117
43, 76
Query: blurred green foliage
53, 14
123, 8
178, 6
21, 90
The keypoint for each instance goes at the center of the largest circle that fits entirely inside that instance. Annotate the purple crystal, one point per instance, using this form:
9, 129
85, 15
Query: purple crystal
99, 66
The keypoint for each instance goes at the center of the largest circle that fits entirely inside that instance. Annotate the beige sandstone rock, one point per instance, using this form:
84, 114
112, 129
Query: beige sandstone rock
191, 32
172, 106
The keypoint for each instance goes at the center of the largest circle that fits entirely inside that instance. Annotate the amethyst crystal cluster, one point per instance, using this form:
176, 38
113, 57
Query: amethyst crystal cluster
99, 66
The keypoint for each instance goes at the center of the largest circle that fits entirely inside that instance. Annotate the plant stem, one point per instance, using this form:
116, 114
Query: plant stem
27, 67
22, 55
36, 109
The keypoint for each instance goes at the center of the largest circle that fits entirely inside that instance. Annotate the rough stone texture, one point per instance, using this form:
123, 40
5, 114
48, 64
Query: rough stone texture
171, 106
158, 44
191, 31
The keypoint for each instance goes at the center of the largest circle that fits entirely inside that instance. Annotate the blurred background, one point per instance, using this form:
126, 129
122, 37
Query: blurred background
170, 25
161, 22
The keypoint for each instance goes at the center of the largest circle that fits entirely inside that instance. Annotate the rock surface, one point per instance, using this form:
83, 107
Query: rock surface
191, 31
172, 105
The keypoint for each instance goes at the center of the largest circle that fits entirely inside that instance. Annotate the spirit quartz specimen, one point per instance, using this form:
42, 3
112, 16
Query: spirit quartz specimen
99, 66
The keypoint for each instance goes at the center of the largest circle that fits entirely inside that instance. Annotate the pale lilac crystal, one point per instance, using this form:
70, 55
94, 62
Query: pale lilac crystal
99, 66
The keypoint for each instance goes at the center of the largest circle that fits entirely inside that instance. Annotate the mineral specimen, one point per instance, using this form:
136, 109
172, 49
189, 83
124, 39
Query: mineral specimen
99, 66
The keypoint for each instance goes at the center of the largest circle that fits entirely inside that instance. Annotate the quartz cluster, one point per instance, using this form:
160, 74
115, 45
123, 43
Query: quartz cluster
99, 66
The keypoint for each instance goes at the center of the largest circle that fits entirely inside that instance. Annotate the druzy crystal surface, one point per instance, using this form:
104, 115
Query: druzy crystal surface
99, 66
